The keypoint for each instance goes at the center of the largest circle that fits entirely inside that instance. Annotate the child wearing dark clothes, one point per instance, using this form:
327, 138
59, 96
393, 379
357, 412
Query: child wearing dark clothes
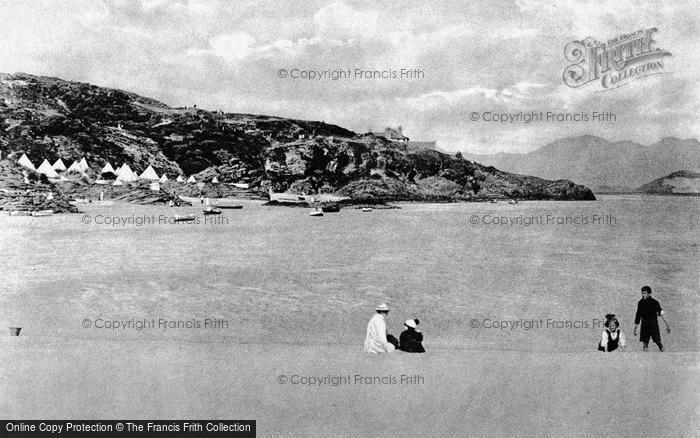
612, 336
647, 311
411, 339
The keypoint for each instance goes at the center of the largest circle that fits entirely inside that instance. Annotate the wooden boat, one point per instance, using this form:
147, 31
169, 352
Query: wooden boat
330, 208
185, 218
316, 213
211, 210
20, 213
513, 201
229, 207
41, 213
366, 209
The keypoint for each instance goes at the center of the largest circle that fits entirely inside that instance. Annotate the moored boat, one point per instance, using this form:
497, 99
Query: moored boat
211, 210
316, 213
41, 213
366, 209
229, 207
185, 218
330, 208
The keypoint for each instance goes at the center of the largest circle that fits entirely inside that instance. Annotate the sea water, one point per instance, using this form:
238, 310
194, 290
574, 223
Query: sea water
527, 276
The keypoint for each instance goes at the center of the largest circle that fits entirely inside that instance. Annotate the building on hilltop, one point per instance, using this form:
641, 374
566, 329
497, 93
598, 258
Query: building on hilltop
396, 135
392, 134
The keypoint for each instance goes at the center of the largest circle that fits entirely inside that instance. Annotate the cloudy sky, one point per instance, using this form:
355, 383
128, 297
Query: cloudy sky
494, 55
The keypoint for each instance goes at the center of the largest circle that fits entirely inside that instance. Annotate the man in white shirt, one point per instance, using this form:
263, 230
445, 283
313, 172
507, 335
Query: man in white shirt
376, 340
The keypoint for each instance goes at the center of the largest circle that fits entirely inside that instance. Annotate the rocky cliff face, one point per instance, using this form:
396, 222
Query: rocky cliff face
49, 118
25, 191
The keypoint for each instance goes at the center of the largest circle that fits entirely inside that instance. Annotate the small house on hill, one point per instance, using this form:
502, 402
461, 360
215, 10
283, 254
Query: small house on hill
392, 134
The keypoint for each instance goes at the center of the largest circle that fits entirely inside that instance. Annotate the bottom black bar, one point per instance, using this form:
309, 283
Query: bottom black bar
127, 428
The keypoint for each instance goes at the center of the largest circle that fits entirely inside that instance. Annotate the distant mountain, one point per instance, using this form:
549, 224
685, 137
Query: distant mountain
600, 164
682, 182
49, 118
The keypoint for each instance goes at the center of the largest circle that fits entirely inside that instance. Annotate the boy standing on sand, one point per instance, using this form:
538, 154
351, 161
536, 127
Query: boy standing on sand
647, 311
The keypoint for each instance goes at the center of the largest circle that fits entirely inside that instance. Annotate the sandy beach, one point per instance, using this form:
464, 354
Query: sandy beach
441, 393
296, 296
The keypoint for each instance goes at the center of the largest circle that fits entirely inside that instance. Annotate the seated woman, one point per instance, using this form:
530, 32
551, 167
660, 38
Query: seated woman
411, 339
612, 336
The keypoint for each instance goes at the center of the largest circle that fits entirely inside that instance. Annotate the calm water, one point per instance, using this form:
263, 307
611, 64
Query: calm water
276, 275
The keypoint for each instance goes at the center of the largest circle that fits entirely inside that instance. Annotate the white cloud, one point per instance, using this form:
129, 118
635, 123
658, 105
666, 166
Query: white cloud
476, 56
339, 21
232, 46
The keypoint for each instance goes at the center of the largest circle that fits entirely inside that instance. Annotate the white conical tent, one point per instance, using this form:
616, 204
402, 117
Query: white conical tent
108, 168
163, 178
75, 167
58, 166
83, 165
117, 183
215, 180
191, 180
180, 178
26, 162
149, 174
126, 174
119, 170
47, 169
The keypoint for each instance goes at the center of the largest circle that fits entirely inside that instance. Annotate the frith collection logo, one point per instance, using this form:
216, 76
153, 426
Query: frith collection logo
616, 62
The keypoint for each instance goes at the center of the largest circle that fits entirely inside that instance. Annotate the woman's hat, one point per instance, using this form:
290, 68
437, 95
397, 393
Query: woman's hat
410, 323
382, 308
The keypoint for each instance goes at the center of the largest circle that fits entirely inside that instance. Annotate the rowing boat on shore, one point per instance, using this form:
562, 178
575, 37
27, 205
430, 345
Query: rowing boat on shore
185, 218
42, 213
330, 208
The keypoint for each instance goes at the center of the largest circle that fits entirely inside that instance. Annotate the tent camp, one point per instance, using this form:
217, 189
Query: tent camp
58, 166
108, 168
126, 174
163, 178
75, 167
191, 180
83, 165
149, 174
180, 178
26, 162
215, 180
47, 170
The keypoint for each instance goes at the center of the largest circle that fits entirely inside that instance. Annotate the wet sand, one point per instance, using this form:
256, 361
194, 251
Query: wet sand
442, 393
